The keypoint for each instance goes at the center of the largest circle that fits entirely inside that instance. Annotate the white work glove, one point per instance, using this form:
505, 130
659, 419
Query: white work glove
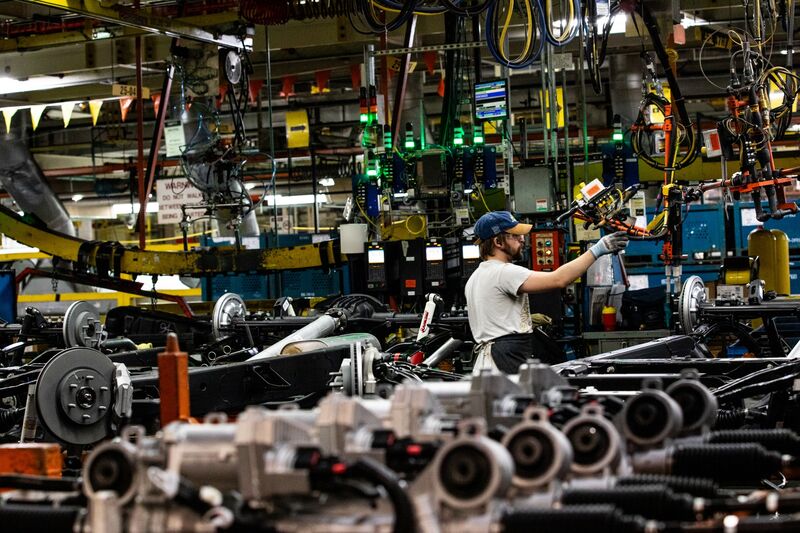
610, 244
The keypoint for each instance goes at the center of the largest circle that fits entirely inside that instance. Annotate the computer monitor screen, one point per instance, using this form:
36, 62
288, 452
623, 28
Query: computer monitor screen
375, 257
433, 253
491, 100
470, 251
8, 295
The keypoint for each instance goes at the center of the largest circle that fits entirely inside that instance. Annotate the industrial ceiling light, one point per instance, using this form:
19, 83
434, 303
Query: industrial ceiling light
294, 200
689, 21
125, 209
101, 33
77, 197
327, 182
617, 23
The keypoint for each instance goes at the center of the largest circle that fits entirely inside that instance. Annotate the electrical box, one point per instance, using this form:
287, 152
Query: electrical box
378, 275
435, 265
412, 268
533, 190
432, 173
470, 259
546, 250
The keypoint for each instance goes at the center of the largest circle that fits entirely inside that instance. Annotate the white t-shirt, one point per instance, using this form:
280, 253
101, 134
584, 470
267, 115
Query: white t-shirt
495, 309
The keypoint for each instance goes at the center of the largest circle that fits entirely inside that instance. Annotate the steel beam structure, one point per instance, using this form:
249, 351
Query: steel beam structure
109, 259
141, 18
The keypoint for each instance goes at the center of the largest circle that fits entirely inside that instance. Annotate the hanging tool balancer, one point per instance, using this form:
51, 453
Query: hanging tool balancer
748, 130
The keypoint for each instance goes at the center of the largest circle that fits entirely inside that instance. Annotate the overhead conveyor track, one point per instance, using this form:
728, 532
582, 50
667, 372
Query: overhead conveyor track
113, 258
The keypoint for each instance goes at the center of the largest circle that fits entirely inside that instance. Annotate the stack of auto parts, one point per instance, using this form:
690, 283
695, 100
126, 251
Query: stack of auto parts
488, 453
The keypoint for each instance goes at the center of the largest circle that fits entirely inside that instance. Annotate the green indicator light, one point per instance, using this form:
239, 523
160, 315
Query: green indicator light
458, 141
372, 173
478, 139
409, 144
616, 136
363, 118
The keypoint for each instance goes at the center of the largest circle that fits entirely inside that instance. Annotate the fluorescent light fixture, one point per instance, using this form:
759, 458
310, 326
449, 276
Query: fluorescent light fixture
43, 83
689, 21
250, 185
77, 197
327, 182
125, 209
617, 23
101, 33
296, 199
400, 195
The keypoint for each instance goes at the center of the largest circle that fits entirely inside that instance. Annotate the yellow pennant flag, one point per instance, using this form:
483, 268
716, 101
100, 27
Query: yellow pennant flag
66, 112
36, 114
94, 109
8, 114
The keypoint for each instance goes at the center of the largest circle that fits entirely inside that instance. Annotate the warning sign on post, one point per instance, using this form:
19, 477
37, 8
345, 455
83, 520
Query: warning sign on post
712, 144
172, 194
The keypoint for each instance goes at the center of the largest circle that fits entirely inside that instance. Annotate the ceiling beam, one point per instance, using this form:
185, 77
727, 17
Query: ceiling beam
140, 18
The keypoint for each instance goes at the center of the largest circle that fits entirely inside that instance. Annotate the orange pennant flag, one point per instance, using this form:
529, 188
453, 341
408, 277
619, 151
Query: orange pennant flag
125, 106
156, 98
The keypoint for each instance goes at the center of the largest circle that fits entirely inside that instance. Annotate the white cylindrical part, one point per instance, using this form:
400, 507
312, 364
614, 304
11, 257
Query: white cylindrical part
353, 237
321, 327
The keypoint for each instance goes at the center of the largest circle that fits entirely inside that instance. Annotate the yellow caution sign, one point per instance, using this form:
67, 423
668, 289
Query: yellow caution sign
297, 129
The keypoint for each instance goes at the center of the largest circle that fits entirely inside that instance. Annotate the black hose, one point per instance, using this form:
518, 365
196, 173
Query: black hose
702, 487
650, 501
594, 518
730, 464
39, 518
375, 472
11, 417
122, 342
779, 440
677, 96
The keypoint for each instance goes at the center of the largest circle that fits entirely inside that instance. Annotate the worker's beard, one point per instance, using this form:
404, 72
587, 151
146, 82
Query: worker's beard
509, 250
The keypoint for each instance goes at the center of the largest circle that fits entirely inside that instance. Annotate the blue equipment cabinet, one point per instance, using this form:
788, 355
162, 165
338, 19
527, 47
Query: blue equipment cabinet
744, 222
703, 237
306, 283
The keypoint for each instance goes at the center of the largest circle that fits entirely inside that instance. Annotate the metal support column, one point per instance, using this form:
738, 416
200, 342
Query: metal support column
402, 79
140, 226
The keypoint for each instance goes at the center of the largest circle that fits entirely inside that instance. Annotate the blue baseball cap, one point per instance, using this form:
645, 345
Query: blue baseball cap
497, 222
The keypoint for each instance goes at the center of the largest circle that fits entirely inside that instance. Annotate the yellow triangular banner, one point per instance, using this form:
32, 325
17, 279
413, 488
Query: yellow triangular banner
66, 112
8, 114
94, 108
36, 114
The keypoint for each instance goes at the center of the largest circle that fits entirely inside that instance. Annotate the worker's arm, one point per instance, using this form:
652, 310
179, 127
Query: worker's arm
566, 274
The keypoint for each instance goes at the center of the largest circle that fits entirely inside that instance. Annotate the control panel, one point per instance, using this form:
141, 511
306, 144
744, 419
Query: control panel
470, 259
376, 267
434, 265
546, 250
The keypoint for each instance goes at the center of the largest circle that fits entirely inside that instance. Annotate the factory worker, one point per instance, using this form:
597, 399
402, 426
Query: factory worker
497, 292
